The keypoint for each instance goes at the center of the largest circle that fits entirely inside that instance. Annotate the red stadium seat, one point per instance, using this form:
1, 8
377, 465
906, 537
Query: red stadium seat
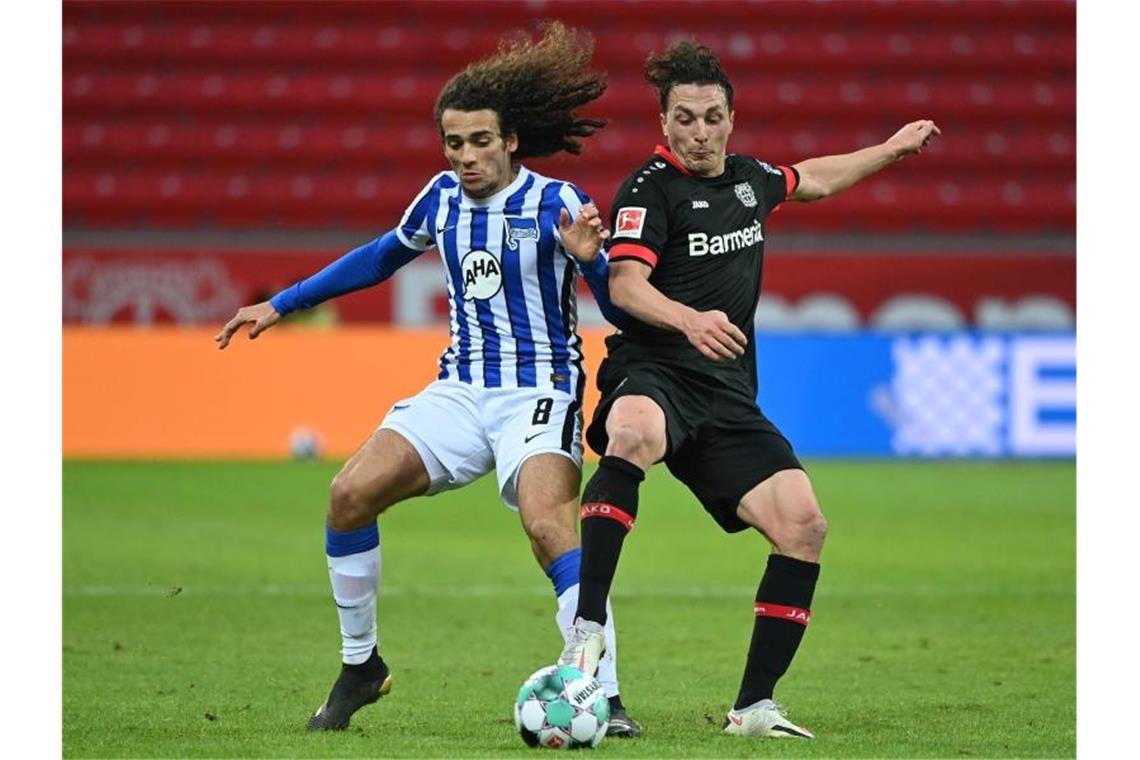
219, 113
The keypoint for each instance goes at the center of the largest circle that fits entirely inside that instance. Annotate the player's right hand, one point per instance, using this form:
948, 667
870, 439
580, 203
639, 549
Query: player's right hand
715, 336
261, 315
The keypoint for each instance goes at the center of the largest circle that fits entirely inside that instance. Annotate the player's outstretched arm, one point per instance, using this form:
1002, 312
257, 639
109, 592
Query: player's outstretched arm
361, 267
828, 175
261, 315
583, 238
711, 332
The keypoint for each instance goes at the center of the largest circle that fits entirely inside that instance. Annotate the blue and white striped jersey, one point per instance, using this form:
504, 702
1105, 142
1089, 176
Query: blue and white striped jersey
511, 284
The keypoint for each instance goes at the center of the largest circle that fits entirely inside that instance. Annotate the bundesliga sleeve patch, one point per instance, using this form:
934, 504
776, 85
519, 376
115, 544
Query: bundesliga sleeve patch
630, 222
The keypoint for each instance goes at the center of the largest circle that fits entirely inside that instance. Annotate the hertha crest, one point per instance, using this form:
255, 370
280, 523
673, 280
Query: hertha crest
745, 194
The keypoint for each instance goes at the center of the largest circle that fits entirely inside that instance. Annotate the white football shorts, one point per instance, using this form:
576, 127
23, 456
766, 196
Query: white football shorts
462, 432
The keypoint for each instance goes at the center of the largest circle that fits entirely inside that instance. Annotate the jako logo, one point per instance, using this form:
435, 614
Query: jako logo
482, 275
700, 204
700, 243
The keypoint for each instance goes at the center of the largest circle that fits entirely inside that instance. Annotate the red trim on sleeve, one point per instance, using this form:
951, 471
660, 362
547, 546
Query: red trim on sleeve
667, 154
791, 614
633, 251
601, 509
790, 179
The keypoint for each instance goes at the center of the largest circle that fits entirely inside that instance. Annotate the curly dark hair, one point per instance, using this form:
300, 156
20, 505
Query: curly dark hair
535, 88
685, 62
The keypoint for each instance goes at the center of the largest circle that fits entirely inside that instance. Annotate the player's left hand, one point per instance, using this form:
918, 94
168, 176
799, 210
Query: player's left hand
913, 137
584, 238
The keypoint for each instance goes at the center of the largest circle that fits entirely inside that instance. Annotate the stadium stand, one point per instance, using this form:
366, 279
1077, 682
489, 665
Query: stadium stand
284, 115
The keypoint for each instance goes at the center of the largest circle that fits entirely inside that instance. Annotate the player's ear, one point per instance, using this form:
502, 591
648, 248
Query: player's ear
512, 142
664, 128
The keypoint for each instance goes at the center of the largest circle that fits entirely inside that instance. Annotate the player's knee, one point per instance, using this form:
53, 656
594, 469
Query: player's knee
634, 443
351, 506
548, 534
805, 530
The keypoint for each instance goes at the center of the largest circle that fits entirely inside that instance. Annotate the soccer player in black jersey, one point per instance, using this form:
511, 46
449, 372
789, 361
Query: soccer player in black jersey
679, 383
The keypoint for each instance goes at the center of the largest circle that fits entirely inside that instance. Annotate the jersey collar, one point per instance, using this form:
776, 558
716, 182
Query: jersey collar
500, 196
667, 154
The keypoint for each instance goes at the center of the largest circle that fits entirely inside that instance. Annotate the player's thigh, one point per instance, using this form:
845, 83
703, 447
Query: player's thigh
637, 430
443, 424
524, 423
722, 465
386, 469
647, 410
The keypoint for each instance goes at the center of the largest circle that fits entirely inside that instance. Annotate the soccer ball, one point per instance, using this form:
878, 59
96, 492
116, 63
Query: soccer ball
559, 707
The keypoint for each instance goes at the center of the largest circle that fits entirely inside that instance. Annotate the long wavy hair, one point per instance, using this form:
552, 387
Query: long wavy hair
535, 87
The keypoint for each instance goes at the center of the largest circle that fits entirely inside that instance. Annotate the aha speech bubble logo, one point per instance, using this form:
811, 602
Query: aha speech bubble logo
482, 275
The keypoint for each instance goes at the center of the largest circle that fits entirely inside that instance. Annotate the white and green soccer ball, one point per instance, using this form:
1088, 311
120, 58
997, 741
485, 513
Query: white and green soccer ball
559, 707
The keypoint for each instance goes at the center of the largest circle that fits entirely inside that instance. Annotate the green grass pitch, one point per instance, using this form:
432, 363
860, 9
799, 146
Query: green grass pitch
197, 620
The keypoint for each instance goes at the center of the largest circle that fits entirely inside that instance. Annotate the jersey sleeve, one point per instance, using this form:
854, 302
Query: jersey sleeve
639, 223
416, 229
596, 273
572, 199
779, 183
361, 267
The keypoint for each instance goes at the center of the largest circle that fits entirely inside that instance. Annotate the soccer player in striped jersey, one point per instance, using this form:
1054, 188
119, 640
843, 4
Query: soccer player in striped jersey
508, 396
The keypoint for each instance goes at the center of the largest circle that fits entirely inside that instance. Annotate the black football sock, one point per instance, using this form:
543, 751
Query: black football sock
609, 506
372, 669
783, 609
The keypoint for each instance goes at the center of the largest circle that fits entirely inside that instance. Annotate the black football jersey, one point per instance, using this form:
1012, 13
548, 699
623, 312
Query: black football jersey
704, 240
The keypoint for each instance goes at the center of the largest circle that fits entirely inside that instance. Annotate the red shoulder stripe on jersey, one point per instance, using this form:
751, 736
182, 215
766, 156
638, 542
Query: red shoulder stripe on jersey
667, 154
791, 614
790, 180
601, 509
633, 251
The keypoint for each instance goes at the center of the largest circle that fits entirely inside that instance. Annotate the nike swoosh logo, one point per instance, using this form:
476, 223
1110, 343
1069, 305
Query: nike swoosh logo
735, 720
441, 230
530, 438
400, 406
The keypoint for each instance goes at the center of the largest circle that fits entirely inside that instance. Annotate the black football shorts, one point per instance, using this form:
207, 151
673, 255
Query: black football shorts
719, 443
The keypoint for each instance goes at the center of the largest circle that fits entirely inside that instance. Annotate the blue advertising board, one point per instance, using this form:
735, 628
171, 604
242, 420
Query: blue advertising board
921, 395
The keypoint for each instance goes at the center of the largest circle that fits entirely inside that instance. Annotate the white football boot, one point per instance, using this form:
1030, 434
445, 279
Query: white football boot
765, 718
584, 647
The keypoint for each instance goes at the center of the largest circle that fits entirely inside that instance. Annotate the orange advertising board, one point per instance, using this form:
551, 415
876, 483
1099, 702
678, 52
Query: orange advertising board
169, 392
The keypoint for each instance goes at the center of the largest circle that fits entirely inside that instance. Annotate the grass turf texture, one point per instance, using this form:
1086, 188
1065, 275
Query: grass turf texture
197, 619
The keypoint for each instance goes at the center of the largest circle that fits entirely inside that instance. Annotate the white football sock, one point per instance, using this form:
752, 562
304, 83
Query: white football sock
607, 666
355, 581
